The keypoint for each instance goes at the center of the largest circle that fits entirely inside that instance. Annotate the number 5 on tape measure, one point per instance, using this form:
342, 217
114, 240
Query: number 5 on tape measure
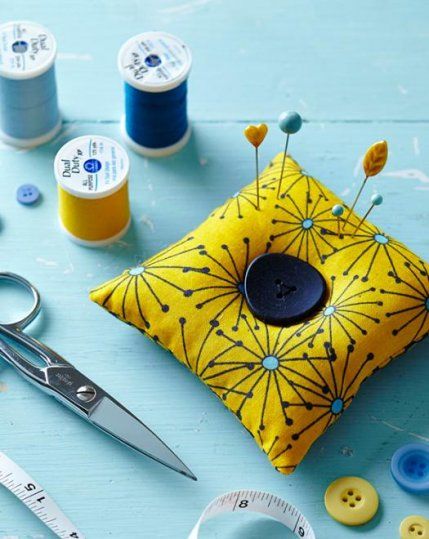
36, 499
257, 502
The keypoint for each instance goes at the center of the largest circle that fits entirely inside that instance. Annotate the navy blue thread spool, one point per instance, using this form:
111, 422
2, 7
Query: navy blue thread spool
29, 114
155, 67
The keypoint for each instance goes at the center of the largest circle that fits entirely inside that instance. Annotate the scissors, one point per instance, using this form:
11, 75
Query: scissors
61, 380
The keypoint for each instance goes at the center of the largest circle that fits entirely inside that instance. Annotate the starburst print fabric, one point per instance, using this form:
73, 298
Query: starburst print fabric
286, 385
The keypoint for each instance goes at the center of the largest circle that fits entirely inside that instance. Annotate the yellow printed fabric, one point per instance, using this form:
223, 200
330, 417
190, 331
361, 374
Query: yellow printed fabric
189, 298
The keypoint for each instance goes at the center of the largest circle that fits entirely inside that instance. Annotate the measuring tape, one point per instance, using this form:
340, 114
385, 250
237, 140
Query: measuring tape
257, 502
41, 504
36, 499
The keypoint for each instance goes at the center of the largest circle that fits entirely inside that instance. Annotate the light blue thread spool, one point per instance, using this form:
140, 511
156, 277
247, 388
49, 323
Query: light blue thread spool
155, 67
29, 113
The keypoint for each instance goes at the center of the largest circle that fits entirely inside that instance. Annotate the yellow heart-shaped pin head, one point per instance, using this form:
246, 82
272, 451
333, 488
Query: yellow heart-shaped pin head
255, 134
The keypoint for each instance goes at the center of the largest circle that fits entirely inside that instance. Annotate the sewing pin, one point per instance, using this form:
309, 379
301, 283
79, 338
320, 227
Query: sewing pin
376, 200
290, 122
255, 134
337, 211
373, 163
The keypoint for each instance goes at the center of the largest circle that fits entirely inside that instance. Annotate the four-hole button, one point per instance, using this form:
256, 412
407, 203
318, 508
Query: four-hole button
410, 467
351, 500
414, 527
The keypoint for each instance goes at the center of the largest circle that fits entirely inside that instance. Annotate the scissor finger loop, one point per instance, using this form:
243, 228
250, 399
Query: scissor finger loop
35, 309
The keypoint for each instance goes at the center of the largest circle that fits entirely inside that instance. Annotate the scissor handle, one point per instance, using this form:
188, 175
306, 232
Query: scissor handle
14, 331
35, 309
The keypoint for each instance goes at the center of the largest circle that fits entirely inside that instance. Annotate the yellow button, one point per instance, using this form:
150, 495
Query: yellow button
414, 527
351, 500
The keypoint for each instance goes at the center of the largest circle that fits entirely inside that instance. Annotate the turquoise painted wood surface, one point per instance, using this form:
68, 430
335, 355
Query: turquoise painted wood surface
357, 72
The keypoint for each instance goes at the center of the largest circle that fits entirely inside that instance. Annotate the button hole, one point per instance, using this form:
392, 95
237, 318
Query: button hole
358, 498
344, 499
350, 492
352, 505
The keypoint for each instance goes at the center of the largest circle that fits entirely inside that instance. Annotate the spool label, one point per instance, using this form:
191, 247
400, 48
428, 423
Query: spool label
91, 167
154, 61
26, 49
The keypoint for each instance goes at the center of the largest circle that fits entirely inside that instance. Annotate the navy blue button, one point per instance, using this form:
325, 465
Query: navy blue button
410, 467
27, 194
282, 289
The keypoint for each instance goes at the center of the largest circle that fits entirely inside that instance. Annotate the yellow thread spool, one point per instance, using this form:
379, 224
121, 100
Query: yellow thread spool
92, 179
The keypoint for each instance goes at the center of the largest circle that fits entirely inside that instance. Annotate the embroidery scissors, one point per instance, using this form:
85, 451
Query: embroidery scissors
73, 389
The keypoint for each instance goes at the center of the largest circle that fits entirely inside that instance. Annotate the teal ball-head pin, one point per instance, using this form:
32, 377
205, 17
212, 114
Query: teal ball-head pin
337, 211
376, 200
290, 122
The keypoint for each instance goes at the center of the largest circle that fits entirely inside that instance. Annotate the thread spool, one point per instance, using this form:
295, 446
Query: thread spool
155, 67
29, 114
92, 179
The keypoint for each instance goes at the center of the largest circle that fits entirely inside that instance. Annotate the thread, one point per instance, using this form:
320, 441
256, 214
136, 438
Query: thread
29, 114
92, 180
155, 67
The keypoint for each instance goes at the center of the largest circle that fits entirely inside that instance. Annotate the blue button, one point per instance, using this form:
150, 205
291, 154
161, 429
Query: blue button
27, 194
410, 468
282, 289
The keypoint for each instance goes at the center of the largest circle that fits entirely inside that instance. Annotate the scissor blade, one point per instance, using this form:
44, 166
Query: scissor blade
118, 422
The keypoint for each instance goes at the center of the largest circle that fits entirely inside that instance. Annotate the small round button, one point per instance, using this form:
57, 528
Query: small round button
410, 467
351, 500
27, 194
282, 289
414, 527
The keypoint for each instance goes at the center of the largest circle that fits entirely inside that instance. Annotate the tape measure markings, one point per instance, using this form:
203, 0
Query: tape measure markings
258, 502
34, 496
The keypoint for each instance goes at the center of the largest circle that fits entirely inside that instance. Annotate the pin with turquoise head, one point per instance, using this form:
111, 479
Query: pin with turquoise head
29, 114
290, 122
376, 200
337, 211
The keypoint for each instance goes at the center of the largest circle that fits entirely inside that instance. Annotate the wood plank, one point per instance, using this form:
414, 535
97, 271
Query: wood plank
107, 490
328, 60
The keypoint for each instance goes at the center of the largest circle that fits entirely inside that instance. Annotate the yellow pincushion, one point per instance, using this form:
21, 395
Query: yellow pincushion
287, 385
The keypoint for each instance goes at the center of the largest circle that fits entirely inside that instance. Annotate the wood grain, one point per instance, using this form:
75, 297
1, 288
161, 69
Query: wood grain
357, 73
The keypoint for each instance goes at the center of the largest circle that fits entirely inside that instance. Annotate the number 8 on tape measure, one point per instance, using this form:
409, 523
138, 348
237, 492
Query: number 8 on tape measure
257, 502
36, 499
